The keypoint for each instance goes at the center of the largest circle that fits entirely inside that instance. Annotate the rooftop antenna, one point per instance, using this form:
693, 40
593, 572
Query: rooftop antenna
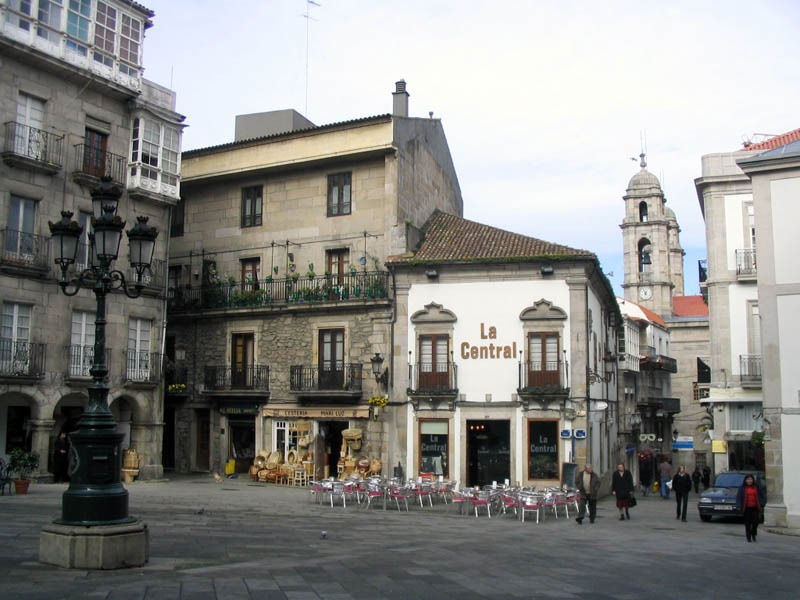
307, 15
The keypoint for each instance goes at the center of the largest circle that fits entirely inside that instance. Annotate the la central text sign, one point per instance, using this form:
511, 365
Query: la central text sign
490, 350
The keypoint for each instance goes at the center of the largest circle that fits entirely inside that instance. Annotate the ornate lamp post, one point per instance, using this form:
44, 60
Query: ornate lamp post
96, 498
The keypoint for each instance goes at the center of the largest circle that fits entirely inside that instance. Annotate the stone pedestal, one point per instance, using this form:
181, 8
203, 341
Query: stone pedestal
95, 547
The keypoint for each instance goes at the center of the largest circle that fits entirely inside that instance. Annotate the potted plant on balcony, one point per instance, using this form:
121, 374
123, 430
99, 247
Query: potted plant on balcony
377, 403
22, 463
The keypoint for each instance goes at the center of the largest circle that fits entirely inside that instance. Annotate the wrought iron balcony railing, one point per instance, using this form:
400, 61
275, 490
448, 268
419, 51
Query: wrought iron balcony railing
80, 360
750, 368
95, 163
341, 377
746, 262
535, 375
27, 143
426, 377
154, 277
21, 359
368, 285
142, 367
24, 250
221, 378
175, 372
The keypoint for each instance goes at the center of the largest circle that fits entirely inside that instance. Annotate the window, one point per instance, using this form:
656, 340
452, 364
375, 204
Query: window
78, 23
542, 449
15, 331
94, 152
24, 7
242, 348
130, 43
753, 329
434, 365
251, 206
154, 151
339, 194
643, 212
434, 447
81, 351
285, 438
250, 268
645, 258
337, 261
30, 140
543, 360
19, 243
138, 368
105, 34
746, 417
83, 259
50, 12
331, 359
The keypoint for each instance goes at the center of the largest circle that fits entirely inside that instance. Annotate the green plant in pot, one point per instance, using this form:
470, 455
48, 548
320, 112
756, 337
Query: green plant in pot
22, 463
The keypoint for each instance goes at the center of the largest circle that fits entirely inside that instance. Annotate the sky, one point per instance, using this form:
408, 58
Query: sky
546, 104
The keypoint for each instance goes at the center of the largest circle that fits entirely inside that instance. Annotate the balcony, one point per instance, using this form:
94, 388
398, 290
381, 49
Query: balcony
654, 361
153, 278
542, 378
32, 148
750, 370
89, 164
175, 372
359, 287
236, 379
343, 381
668, 405
142, 368
79, 361
746, 264
24, 253
21, 360
146, 181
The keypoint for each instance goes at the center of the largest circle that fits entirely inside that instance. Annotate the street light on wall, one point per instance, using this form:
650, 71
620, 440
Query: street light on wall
381, 375
95, 496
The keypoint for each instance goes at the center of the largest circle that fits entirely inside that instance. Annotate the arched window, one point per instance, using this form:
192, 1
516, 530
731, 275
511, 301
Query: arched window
643, 212
645, 259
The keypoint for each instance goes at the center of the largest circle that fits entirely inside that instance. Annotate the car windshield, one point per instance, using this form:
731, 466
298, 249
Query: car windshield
729, 480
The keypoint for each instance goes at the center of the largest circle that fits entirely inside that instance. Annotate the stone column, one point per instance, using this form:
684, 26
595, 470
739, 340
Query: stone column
40, 443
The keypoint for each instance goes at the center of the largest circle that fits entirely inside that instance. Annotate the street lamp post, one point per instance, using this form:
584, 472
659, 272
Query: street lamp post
96, 502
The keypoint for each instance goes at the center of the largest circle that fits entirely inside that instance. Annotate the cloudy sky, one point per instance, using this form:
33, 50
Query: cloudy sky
544, 102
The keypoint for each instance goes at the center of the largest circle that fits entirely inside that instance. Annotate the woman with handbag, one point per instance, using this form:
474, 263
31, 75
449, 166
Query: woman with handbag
622, 488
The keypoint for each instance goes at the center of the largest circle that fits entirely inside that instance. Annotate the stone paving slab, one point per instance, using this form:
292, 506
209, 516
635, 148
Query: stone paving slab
239, 539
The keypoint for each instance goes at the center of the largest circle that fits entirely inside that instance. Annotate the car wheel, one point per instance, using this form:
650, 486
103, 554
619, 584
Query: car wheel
705, 518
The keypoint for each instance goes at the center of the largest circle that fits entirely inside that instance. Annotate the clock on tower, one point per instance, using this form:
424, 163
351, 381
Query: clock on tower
645, 293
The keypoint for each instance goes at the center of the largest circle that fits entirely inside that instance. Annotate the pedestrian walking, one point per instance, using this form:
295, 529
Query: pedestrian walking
665, 475
706, 477
681, 485
750, 500
588, 484
622, 488
696, 478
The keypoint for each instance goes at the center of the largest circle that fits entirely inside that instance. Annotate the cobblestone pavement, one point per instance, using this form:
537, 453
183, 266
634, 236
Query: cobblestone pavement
240, 540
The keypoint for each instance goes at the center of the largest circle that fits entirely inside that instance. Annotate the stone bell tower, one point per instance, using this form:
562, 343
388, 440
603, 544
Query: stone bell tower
653, 257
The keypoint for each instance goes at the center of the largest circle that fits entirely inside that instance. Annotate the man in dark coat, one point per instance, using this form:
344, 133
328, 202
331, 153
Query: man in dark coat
588, 484
622, 488
60, 458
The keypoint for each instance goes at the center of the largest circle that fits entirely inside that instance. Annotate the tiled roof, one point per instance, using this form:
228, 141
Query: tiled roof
449, 238
637, 312
774, 142
689, 306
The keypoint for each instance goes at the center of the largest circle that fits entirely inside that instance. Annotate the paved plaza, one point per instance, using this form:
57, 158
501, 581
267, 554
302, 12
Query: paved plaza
240, 540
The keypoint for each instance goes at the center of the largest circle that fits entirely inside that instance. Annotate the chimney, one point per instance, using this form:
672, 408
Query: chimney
400, 99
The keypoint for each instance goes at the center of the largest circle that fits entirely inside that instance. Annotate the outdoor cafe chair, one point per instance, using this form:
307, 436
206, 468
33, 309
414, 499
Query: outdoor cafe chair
510, 501
483, 499
398, 493
462, 498
374, 493
340, 490
318, 490
560, 501
530, 503
423, 490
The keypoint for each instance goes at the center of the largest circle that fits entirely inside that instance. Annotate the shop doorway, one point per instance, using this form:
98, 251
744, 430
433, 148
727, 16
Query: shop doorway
203, 442
488, 452
242, 446
331, 448
168, 439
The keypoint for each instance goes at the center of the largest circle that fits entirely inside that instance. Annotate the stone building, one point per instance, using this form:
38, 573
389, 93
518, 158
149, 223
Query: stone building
502, 357
279, 300
75, 108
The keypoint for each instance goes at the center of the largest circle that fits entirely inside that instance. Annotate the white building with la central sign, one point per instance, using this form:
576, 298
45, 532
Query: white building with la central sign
504, 345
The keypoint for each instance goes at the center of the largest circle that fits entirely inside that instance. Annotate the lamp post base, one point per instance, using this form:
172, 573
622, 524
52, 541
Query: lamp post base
96, 547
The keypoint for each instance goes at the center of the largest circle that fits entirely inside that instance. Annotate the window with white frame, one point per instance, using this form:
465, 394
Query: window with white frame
105, 34
79, 21
154, 151
30, 139
138, 363
49, 16
747, 416
284, 438
81, 350
19, 242
15, 331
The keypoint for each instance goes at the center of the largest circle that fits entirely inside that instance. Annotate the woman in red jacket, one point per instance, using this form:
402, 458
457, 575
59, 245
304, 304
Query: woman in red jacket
750, 499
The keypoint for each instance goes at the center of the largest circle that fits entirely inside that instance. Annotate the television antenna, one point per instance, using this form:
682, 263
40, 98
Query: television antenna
307, 16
